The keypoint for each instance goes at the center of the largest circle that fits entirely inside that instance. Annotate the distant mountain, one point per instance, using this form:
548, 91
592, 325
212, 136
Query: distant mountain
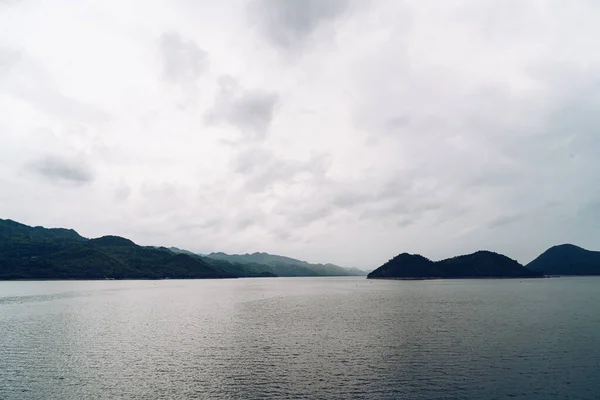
482, 264
286, 266
39, 253
567, 259
241, 270
182, 251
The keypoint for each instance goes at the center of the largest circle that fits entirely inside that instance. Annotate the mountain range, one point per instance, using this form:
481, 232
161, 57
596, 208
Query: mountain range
481, 264
286, 266
565, 259
40, 253
57, 253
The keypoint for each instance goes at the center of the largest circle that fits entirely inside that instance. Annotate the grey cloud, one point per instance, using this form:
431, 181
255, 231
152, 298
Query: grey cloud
251, 111
451, 213
504, 220
287, 24
56, 103
476, 112
261, 168
26, 80
281, 234
357, 194
205, 224
248, 217
8, 59
62, 170
495, 176
405, 222
183, 60
500, 22
248, 161
411, 206
303, 213
589, 212
402, 199
244, 223
122, 193
397, 122
347, 198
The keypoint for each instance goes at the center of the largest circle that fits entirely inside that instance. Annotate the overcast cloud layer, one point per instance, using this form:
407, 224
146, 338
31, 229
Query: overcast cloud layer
328, 130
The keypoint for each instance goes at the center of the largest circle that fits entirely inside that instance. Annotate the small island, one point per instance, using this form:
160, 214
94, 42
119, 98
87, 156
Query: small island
481, 264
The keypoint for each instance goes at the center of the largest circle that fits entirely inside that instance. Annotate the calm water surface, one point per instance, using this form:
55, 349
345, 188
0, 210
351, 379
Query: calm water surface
283, 338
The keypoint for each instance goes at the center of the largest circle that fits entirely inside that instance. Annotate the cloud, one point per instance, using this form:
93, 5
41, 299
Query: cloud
360, 129
24, 78
55, 103
183, 60
504, 220
250, 111
8, 59
62, 170
261, 169
213, 223
289, 24
122, 193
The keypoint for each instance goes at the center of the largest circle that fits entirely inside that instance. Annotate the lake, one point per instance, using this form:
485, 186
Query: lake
317, 338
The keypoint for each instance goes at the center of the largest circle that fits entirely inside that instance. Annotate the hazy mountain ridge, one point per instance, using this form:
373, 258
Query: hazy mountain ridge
250, 270
287, 266
481, 264
56, 253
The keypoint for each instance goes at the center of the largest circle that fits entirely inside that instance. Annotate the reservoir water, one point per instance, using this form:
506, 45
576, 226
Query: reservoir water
314, 338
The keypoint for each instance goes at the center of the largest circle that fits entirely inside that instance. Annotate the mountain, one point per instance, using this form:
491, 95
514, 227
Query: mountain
286, 266
407, 266
39, 253
485, 264
567, 259
481, 264
10, 228
248, 270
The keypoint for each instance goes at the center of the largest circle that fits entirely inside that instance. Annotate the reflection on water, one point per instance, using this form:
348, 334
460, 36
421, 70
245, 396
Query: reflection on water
300, 338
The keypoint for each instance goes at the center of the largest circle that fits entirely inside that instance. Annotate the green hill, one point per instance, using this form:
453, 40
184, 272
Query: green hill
39, 253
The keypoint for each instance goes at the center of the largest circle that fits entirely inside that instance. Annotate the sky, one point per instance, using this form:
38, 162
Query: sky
343, 131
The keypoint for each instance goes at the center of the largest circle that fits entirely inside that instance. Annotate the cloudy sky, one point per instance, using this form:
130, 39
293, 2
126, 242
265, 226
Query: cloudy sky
328, 130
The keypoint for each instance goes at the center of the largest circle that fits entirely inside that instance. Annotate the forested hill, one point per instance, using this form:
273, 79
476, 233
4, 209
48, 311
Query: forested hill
39, 253
28, 252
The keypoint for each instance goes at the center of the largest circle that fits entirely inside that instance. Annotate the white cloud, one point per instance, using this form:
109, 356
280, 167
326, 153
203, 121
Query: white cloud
335, 131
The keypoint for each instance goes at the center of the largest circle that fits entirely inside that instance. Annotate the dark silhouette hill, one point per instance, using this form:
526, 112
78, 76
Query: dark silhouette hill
481, 264
407, 266
567, 259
